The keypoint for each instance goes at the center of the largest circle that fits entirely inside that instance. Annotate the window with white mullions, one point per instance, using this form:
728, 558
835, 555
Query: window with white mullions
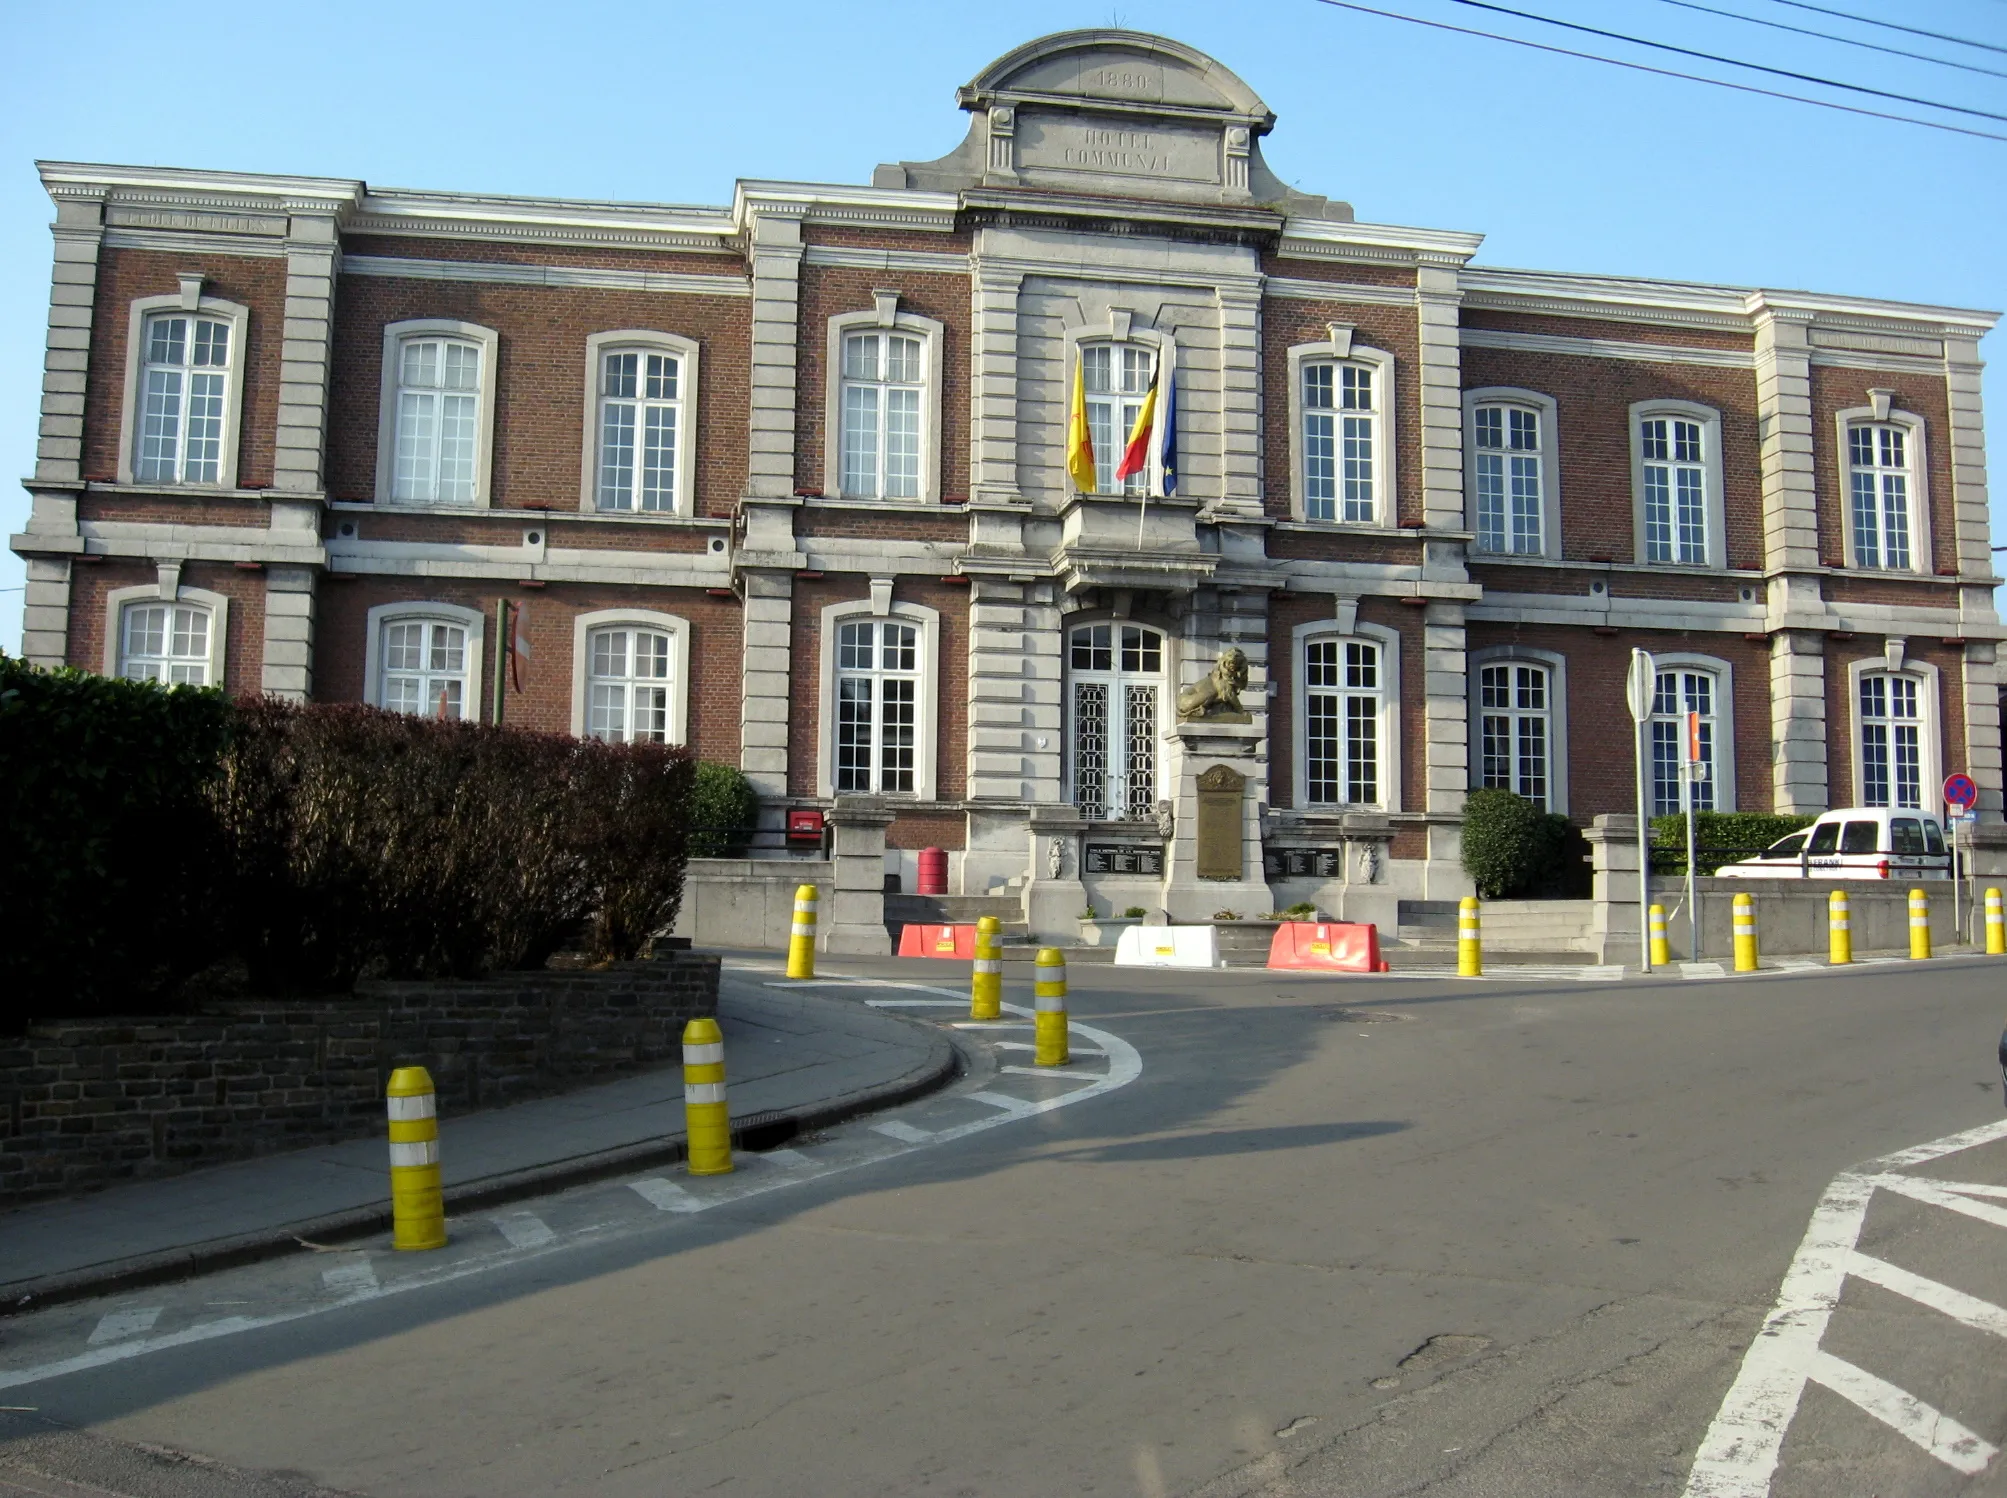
184, 382
1343, 696
165, 642
1675, 474
1514, 717
640, 425
438, 404
1880, 484
1115, 675
1117, 377
628, 685
1338, 441
884, 380
1677, 694
1891, 727
424, 668
877, 706
1510, 493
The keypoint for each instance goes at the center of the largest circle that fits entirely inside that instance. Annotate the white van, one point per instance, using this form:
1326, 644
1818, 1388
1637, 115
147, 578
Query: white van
1856, 842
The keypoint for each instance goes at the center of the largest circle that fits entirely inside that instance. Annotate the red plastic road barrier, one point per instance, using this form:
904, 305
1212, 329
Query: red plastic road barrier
938, 941
1327, 946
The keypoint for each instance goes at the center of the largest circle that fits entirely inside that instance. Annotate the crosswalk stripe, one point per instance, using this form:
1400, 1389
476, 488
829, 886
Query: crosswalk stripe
905, 1133
114, 1325
665, 1196
525, 1230
349, 1279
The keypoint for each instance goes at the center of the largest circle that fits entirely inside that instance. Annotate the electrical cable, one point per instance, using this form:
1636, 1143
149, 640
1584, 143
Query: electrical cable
1829, 36
1936, 36
1639, 67
1754, 67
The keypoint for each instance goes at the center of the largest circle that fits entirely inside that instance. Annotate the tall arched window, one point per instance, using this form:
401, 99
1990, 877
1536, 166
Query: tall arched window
877, 706
1115, 677
1341, 404
424, 665
884, 390
1506, 474
1117, 377
629, 685
1679, 693
1515, 732
1344, 702
165, 642
1892, 739
438, 407
640, 429
183, 399
1881, 490
1676, 467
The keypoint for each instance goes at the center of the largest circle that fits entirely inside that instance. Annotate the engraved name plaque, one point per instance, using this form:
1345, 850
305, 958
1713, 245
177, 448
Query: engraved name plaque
1220, 854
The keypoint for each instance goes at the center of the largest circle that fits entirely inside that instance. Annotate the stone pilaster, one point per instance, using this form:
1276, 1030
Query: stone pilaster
311, 256
1011, 709
993, 378
855, 920
1446, 711
1962, 367
288, 659
775, 231
1438, 308
764, 693
1614, 931
45, 618
79, 233
1798, 721
1981, 688
1784, 431
1240, 400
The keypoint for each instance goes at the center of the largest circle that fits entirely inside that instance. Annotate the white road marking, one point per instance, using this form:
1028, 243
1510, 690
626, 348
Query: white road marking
350, 1279
1738, 1455
1052, 1073
114, 1326
525, 1230
785, 1158
1020, 1045
1981, 1315
665, 1196
1015, 1106
1702, 970
905, 1133
1124, 1066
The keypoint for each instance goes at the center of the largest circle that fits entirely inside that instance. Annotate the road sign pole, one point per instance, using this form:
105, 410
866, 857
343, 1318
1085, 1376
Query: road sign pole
1961, 795
1639, 689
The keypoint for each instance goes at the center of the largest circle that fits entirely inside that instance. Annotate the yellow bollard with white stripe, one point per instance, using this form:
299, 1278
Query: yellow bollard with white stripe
417, 1209
1661, 948
801, 940
1745, 934
986, 982
707, 1122
1919, 924
1839, 929
1049, 1005
1996, 925
1469, 939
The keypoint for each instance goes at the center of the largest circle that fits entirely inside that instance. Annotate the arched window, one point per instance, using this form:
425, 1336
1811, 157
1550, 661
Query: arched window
186, 373
640, 427
877, 706
629, 685
424, 658
1344, 707
1510, 435
1676, 466
1341, 411
1115, 677
438, 406
1882, 471
1680, 693
165, 642
1515, 729
1892, 739
884, 389
1117, 376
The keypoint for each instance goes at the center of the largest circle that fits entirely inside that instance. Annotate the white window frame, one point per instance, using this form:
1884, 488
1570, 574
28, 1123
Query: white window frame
413, 611
1722, 771
1119, 328
1556, 666
395, 336
1389, 643
1340, 349
217, 605
1921, 556
645, 341
1715, 510
673, 625
1547, 411
1930, 718
1166, 698
926, 755
131, 406
884, 317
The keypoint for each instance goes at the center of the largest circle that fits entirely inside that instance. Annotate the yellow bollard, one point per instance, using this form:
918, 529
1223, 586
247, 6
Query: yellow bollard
986, 982
1661, 948
1839, 929
417, 1211
707, 1121
1919, 924
1996, 925
1049, 1002
1469, 939
1745, 934
801, 941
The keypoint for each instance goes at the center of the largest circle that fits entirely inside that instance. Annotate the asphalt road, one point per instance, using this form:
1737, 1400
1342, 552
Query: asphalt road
1360, 1238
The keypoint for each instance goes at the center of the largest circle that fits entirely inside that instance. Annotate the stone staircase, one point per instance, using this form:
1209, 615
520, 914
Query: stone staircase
1426, 935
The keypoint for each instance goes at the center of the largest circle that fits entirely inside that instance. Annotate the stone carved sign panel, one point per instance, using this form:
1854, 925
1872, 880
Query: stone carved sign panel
1113, 147
1220, 853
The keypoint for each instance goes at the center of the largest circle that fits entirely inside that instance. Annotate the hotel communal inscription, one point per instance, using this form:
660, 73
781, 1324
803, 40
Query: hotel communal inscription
1118, 150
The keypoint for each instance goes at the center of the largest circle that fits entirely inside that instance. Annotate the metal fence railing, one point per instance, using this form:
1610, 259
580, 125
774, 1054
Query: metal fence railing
755, 842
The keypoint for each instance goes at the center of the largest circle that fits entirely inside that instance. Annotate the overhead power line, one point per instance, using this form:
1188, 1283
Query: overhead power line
1754, 67
1936, 36
1639, 67
1830, 36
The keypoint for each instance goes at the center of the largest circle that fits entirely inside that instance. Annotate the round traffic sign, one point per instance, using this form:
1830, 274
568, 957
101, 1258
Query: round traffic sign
1960, 790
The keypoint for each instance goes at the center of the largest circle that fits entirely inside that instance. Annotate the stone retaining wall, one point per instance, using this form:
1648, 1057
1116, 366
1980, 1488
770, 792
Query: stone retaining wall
87, 1102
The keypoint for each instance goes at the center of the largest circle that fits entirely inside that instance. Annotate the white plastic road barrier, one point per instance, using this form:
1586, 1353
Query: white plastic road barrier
1168, 946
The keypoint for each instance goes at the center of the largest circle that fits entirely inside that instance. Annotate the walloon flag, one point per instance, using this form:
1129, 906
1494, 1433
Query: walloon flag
1080, 441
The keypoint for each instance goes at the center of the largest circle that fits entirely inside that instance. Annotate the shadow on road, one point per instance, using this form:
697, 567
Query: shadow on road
1229, 1142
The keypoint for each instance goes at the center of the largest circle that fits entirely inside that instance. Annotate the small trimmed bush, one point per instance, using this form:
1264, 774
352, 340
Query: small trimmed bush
723, 808
1506, 843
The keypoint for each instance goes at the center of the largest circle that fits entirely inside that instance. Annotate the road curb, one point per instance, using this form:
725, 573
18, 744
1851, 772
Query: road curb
768, 1129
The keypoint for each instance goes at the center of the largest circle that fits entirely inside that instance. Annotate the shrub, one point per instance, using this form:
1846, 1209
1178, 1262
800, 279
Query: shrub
632, 838
1506, 843
1731, 834
108, 846
723, 805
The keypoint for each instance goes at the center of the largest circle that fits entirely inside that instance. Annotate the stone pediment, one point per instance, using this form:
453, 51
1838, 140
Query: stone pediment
1113, 114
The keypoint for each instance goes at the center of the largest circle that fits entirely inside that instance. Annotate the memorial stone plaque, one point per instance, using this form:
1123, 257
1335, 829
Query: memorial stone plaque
1220, 855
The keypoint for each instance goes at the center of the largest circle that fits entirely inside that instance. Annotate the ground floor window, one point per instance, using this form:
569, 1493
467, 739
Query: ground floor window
424, 666
1515, 713
877, 706
1680, 693
1343, 700
628, 686
1891, 729
165, 642
1115, 685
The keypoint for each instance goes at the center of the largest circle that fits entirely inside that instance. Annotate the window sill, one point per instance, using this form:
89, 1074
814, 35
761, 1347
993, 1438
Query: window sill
898, 506
1354, 528
533, 516
199, 491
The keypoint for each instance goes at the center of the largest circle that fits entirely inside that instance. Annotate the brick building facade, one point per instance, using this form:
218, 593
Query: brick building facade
786, 481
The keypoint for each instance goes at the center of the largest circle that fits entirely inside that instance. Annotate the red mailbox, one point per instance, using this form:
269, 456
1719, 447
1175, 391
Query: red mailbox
804, 827
933, 871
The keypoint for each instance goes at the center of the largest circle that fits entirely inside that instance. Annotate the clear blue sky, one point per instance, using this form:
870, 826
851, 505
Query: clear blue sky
1564, 165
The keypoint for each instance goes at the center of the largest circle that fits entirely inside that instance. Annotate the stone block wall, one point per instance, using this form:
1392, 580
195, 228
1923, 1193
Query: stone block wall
87, 1103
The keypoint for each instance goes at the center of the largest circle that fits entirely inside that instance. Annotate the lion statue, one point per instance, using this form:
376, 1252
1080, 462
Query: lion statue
1219, 694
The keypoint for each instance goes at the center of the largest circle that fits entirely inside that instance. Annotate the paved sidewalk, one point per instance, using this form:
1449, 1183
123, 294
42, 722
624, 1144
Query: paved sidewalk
795, 1059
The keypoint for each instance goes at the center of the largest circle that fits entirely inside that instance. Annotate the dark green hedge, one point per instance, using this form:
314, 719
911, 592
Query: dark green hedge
1731, 834
1514, 851
724, 807
108, 840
